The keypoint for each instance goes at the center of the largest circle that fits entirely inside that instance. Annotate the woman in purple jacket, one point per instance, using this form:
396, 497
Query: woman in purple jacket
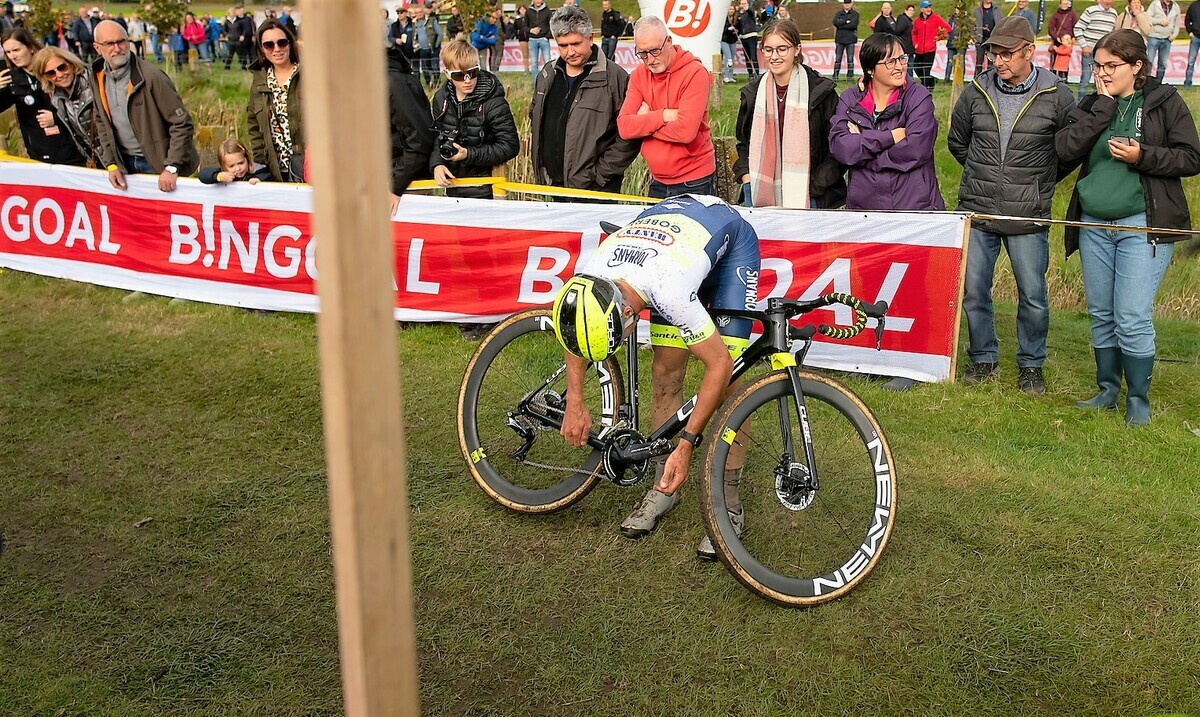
884, 131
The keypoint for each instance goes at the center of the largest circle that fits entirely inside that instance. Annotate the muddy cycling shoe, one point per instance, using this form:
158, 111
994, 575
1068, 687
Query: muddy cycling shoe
706, 551
646, 513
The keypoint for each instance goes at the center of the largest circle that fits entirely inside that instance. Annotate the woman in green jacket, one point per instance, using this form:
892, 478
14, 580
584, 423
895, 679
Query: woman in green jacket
274, 120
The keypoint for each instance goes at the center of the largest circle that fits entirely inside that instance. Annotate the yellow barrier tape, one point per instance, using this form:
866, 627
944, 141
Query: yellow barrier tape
6, 157
503, 185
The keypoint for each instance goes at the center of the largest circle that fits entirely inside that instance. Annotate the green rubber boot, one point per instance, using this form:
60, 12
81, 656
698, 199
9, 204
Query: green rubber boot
1108, 378
1137, 381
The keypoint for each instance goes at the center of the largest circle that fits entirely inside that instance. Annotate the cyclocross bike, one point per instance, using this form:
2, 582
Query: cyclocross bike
818, 486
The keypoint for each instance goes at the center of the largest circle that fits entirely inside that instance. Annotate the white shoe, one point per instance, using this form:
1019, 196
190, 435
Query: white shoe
646, 513
706, 551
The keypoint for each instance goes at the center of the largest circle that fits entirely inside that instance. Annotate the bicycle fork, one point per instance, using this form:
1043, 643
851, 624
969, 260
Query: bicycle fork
796, 482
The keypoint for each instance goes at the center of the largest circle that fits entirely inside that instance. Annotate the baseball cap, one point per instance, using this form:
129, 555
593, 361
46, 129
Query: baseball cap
926, 3
1011, 32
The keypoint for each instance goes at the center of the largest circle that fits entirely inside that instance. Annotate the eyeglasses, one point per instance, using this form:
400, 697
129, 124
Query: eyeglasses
270, 45
780, 50
1005, 55
643, 54
464, 75
1109, 67
895, 62
113, 43
50, 72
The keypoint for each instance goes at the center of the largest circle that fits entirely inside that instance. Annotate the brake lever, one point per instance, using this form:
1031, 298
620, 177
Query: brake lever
879, 333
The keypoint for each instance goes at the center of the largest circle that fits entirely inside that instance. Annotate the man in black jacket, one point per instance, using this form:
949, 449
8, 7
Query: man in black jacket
845, 38
611, 27
411, 123
748, 33
241, 38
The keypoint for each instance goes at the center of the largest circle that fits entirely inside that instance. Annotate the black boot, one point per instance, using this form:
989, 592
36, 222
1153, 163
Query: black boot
1137, 382
1108, 378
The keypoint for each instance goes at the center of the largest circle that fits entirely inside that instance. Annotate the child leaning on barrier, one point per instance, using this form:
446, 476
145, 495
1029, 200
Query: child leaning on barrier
237, 165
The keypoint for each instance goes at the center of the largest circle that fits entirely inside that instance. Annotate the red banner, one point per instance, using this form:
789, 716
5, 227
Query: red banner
466, 260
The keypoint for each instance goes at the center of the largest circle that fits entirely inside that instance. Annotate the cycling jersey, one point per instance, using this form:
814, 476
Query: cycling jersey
682, 255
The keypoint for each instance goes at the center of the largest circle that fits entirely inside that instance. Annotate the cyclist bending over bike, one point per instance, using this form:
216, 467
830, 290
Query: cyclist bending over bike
680, 258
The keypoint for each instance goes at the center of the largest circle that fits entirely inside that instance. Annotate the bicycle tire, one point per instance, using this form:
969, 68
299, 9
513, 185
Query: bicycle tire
853, 510
517, 356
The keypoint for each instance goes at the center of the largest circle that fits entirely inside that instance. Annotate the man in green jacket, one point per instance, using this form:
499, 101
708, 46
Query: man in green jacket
144, 127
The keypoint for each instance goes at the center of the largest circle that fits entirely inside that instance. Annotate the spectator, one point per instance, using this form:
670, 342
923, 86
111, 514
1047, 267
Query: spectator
904, 25
6, 22
573, 116
274, 119
748, 34
82, 30
235, 164
1136, 138
1165, 22
782, 13
454, 25
1061, 51
144, 127
197, 39
783, 130
928, 26
155, 42
537, 19
1192, 23
241, 38
41, 126
212, 30
845, 37
986, 17
951, 50
884, 22
400, 34
288, 18
137, 34
1095, 22
427, 41
666, 107
178, 45
1002, 133
1023, 10
1134, 18
521, 30
729, 44
611, 26
1063, 21
411, 124
474, 124
484, 37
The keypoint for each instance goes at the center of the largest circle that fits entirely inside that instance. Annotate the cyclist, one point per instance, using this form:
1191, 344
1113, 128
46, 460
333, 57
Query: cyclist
679, 258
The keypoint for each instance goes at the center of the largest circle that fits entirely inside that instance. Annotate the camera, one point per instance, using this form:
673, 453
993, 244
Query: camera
446, 142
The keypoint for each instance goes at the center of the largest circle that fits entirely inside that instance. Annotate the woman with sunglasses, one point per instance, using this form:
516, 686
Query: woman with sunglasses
1135, 139
273, 122
19, 88
65, 79
473, 123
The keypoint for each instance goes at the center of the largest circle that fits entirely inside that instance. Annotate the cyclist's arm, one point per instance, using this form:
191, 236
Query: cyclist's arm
718, 367
577, 422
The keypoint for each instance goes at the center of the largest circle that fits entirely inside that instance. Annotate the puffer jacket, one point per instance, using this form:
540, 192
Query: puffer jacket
410, 121
1170, 150
482, 123
258, 125
826, 177
1022, 184
28, 97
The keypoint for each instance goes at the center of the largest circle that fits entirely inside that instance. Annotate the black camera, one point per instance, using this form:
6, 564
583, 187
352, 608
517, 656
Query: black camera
446, 144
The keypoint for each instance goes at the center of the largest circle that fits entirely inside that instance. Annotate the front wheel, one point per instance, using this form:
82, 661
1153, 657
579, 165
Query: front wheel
799, 547
510, 407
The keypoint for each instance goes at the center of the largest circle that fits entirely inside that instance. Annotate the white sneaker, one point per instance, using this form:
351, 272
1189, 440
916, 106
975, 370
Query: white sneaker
646, 513
706, 551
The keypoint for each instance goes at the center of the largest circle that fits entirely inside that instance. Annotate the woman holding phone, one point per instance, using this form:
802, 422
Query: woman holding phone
41, 128
1135, 139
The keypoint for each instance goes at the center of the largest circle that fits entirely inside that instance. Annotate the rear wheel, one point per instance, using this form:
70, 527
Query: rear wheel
801, 547
510, 407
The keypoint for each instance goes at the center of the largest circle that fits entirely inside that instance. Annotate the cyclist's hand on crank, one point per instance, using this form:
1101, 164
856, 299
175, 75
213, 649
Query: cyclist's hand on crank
577, 423
675, 472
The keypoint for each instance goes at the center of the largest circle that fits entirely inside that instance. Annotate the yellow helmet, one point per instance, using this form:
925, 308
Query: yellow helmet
587, 317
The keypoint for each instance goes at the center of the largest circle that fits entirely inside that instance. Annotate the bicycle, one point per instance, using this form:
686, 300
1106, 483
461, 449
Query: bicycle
818, 498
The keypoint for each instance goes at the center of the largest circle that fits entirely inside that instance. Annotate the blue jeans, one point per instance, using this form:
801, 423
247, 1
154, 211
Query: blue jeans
1085, 75
1030, 257
847, 49
609, 47
1160, 48
1193, 48
539, 47
728, 52
202, 51
1121, 274
950, 53
658, 190
137, 165
154, 42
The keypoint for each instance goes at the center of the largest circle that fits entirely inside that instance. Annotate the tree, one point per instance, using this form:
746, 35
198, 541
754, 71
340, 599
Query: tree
43, 15
165, 13
964, 37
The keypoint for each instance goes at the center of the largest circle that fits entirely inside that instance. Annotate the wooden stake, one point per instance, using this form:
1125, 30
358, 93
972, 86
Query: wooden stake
344, 108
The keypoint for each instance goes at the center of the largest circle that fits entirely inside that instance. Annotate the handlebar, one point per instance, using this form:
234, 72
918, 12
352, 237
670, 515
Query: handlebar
862, 312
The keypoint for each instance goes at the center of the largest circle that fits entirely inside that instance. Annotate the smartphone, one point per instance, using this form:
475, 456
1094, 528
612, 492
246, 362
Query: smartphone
1121, 139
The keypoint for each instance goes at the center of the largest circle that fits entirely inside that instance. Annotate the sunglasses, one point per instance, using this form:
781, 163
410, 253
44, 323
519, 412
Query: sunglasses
464, 75
270, 45
51, 72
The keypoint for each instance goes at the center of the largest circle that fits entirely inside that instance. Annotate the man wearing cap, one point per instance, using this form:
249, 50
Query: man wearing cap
845, 38
1002, 133
928, 26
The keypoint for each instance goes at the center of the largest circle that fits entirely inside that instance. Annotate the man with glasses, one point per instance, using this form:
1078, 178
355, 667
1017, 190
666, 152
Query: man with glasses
666, 106
1002, 132
1093, 24
141, 124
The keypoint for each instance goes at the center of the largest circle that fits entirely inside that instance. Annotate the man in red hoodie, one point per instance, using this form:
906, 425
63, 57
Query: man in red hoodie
666, 106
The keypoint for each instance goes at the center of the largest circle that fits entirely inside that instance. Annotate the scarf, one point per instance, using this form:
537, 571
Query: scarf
779, 179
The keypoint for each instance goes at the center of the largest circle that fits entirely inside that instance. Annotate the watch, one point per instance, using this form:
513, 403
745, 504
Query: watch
172, 169
694, 438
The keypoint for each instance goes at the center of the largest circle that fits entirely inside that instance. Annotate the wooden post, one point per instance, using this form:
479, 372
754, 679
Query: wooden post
344, 110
